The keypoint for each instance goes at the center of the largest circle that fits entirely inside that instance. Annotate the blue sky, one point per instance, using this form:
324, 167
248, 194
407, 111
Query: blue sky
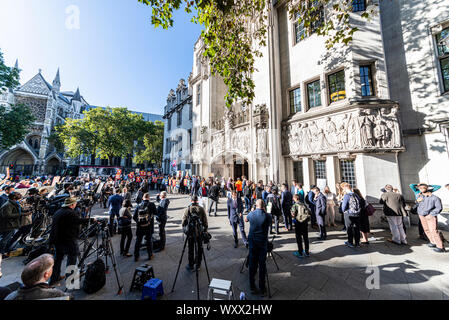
116, 57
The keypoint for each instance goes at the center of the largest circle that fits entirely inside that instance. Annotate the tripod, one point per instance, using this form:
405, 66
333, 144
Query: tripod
196, 235
101, 249
270, 253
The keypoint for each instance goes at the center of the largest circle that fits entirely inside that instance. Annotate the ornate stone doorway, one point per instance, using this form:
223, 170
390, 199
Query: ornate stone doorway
240, 168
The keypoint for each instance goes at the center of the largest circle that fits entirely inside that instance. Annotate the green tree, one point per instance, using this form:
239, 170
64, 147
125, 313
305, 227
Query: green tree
16, 122
235, 30
14, 125
9, 76
153, 143
107, 133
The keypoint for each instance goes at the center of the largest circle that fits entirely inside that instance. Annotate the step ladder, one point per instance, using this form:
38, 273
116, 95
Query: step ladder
220, 290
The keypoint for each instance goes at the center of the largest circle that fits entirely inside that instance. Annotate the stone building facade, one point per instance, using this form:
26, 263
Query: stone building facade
50, 107
370, 113
178, 117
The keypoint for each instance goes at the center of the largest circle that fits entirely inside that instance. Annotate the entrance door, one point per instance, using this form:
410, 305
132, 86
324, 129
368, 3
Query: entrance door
240, 169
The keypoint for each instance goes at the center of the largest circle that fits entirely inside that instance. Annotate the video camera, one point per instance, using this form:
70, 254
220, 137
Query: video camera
194, 223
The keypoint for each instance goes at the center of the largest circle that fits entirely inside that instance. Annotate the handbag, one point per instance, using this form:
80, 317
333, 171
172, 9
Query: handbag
370, 210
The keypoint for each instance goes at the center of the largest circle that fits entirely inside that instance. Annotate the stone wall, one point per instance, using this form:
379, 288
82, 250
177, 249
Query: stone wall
38, 106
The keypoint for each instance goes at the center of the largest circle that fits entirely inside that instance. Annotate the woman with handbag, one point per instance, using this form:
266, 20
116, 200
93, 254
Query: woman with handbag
366, 211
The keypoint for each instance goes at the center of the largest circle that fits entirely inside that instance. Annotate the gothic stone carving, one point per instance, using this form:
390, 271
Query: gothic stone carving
363, 129
217, 144
240, 140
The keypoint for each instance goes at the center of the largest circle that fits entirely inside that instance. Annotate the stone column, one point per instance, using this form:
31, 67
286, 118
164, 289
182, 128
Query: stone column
306, 172
330, 170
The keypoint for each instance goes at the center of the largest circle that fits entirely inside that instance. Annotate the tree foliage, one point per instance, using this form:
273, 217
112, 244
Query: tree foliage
14, 125
235, 30
153, 143
107, 133
9, 76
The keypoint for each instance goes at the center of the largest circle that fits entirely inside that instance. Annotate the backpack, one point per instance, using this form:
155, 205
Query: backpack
302, 213
143, 216
95, 277
354, 205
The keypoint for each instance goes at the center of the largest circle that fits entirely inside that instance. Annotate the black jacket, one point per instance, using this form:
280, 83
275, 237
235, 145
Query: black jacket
150, 207
214, 192
65, 227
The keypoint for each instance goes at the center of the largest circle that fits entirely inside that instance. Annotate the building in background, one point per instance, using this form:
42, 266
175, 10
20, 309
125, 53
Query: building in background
371, 113
178, 115
50, 107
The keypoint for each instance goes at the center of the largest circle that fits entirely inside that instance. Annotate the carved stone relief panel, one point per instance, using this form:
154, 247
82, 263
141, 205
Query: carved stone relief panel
370, 129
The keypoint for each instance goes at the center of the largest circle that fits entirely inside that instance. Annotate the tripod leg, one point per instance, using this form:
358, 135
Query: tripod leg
179, 264
274, 259
205, 264
196, 248
268, 285
110, 251
244, 264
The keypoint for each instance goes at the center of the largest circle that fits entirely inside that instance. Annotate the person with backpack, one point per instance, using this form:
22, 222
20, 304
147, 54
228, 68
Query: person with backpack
351, 207
197, 210
320, 211
144, 217
124, 225
274, 208
301, 216
364, 217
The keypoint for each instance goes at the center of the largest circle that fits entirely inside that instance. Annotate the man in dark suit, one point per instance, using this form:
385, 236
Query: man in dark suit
310, 203
286, 205
235, 216
320, 211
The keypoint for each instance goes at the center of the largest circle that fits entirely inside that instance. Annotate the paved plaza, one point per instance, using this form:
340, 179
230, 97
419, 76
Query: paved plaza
333, 270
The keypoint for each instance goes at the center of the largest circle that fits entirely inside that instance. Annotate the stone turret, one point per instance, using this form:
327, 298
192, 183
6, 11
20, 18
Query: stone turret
57, 82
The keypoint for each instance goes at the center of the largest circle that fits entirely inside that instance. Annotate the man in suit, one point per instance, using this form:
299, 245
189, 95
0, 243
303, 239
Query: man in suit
310, 203
114, 204
235, 216
286, 205
320, 211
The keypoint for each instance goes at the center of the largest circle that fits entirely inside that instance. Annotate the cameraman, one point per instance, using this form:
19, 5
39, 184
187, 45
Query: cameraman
162, 218
194, 211
144, 217
64, 236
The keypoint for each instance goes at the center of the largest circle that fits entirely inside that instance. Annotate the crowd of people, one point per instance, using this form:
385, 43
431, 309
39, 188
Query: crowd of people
266, 207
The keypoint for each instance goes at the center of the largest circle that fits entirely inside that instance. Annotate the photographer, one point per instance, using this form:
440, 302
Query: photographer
144, 217
162, 217
193, 216
124, 225
64, 236
10, 217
